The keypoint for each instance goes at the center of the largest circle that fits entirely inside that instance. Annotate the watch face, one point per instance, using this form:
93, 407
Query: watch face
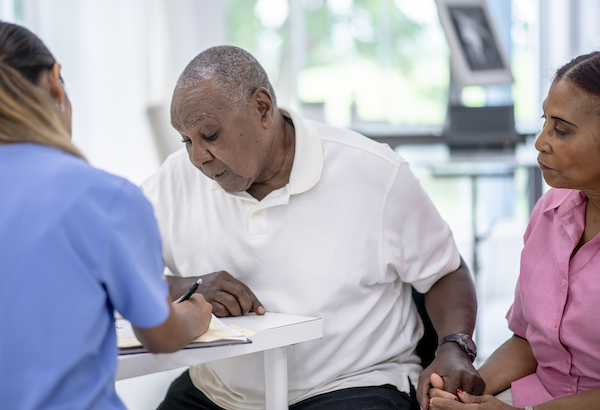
464, 341
471, 344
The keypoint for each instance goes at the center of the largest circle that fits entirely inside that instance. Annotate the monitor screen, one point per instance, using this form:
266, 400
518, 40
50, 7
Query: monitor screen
481, 126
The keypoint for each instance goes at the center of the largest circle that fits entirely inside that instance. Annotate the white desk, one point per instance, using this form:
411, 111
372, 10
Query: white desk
274, 331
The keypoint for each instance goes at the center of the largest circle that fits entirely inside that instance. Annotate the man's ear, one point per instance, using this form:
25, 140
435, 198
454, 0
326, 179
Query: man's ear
51, 82
264, 102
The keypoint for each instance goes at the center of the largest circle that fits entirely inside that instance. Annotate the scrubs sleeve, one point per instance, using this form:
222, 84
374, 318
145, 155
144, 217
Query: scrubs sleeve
133, 260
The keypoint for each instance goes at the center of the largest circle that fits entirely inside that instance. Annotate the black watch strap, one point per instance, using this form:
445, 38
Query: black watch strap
464, 341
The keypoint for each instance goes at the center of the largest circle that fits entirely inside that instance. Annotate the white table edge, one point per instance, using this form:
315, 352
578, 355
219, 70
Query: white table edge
287, 330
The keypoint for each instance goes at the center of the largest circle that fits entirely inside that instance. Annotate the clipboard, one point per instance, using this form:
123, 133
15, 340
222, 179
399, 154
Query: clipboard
218, 334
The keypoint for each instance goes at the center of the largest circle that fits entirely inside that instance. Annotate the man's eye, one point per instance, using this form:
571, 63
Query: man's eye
211, 137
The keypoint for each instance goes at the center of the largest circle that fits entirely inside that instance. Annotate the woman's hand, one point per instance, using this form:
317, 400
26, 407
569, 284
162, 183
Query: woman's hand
440, 399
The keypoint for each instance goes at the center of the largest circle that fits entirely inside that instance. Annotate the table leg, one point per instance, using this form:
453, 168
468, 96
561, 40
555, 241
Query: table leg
276, 378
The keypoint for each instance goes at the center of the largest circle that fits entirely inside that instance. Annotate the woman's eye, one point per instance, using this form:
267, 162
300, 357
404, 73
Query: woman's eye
186, 141
559, 131
211, 137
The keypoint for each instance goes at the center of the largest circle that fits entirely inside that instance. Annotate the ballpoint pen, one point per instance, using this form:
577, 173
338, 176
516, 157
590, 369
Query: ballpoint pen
190, 291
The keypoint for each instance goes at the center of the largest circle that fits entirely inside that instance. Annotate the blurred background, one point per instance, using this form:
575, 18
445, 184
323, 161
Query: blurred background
381, 67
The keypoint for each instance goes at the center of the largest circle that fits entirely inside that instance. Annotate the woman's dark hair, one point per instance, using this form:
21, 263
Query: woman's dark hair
24, 51
27, 112
583, 71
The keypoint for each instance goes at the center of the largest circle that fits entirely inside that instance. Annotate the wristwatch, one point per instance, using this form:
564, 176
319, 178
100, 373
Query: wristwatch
464, 341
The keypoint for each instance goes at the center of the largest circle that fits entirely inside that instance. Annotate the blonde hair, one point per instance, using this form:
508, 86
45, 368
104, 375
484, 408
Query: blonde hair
27, 112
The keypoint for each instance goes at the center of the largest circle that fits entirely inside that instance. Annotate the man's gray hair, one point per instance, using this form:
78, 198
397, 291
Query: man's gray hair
235, 71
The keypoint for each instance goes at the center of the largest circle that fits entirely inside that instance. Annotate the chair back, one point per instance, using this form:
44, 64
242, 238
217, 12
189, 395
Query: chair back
428, 343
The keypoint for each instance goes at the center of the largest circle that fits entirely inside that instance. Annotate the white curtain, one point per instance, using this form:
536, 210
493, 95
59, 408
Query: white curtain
120, 61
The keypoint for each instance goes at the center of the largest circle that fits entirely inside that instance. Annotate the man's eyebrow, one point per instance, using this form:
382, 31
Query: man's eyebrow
194, 120
191, 122
565, 121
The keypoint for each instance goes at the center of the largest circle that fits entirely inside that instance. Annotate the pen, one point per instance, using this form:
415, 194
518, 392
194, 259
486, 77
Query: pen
190, 291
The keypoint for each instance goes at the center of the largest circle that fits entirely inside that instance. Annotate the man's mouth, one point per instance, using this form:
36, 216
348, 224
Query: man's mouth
219, 175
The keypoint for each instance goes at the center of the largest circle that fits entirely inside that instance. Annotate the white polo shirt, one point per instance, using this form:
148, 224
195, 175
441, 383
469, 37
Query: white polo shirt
343, 240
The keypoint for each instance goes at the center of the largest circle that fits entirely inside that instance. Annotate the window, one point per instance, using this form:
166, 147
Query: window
375, 64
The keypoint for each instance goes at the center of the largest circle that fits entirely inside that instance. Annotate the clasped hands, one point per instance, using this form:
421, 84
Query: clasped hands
442, 399
449, 371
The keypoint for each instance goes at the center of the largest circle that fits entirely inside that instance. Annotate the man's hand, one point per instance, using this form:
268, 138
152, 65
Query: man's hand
452, 307
228, 296
453, 370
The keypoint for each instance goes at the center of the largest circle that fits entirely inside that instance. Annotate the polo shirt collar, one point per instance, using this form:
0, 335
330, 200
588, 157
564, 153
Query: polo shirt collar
308, 158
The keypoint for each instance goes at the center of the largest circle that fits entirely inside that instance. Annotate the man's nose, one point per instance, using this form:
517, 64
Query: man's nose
200, 156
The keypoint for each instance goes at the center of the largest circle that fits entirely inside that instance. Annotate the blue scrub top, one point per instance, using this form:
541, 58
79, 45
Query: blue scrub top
75, 243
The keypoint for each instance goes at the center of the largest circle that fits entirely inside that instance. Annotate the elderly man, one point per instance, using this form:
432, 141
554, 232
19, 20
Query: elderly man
303, 218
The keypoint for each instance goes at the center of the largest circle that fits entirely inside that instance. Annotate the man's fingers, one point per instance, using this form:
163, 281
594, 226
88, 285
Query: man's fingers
250, 303
227, 305
229, 296
234, 303
219, 310
478, 388
244, 298
459, 382
257, 307
469, 384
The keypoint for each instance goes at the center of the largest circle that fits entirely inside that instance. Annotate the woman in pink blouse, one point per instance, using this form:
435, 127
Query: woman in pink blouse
553, 359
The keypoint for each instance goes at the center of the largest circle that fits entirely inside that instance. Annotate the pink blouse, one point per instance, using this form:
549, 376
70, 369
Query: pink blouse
557, 301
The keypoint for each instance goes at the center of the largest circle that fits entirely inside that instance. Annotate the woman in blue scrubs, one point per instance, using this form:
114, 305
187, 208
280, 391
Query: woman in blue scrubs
76, 243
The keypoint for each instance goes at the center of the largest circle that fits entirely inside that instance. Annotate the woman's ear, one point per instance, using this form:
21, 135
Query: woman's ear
51, 82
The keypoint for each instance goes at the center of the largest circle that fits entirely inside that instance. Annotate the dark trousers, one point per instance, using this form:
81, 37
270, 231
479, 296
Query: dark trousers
183, 395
